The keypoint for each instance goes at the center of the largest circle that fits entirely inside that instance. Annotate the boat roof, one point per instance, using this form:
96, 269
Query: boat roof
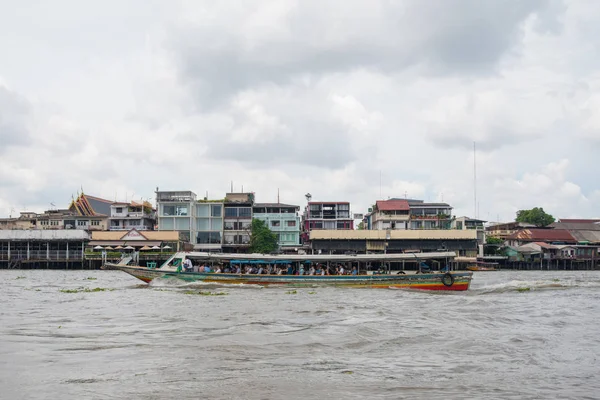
248, 258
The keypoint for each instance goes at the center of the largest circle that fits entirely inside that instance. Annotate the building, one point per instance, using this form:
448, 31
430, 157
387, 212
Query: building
403, 214
177, 212
126, 216
54, 248
209, 225
504, 230
282, 219
328, 215
429, 215
389, 215
237, 222
463, 223
137, 239
462, 242
540, 235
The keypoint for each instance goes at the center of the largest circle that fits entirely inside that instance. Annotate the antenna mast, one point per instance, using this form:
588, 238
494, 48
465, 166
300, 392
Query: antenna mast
474, 180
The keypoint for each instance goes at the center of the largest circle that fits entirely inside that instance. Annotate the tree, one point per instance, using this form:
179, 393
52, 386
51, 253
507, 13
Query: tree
535, 216
361, 226
262, 240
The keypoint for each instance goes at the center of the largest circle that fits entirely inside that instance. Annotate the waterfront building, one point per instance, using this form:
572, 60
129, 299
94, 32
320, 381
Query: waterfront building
429, 215
389, 215
328, 215
504, 230
153, 240
126, 216
462, 242
283, 220
209, 225
54, 248
177, 212
237, 222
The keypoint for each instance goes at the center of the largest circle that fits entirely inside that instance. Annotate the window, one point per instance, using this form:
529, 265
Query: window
275, 224
181, 210
245, 212
316, 225
231, 212
343, 225
119, 210
203, 224
95, 223
54, 223
345, 207
291, 223
44, 222
82, 222
168, 210
202, 210
166, 224
182, 224
329, 225
216, 224
216, 210
209, 238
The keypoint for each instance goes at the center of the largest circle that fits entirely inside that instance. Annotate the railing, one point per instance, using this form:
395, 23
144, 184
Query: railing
43, 255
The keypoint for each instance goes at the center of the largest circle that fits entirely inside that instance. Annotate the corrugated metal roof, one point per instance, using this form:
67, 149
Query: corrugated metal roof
578, 221
275, 205
586, 236
572, 226
44, 234
542, 235
392, 205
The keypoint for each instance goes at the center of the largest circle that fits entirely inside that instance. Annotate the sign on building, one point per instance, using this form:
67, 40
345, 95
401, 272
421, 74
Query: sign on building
358, 216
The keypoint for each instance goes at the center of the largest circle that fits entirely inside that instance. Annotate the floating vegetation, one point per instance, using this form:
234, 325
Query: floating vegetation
85, 290
556, 280
203, 293
348, 372
20, 277
312, 292
292, 292
91, 278
523, 289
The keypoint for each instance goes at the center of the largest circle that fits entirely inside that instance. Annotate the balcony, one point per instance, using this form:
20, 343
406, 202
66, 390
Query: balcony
430, 217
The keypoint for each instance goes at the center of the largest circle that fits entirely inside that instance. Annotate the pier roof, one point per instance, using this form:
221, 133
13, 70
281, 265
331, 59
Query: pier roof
44, 234
425, 234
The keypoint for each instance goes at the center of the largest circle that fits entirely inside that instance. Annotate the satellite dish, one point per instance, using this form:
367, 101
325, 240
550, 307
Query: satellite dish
308, 196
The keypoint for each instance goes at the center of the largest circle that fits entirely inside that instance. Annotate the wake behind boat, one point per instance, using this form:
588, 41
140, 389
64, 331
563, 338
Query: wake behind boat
300, 270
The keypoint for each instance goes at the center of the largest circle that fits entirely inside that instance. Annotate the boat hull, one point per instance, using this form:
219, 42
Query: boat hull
455, 281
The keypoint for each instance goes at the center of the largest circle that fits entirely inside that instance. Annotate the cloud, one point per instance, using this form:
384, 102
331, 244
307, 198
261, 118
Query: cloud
15, 119
348, 102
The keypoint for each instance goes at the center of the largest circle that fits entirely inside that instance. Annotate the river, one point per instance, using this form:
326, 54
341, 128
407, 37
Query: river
513, 335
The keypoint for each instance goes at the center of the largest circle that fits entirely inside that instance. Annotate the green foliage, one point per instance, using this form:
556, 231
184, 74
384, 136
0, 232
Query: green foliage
361, 226
493, 240
85, 290
262, 240
536, 216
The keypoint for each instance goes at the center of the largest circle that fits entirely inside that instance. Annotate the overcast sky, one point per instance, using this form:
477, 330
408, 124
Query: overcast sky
347, 100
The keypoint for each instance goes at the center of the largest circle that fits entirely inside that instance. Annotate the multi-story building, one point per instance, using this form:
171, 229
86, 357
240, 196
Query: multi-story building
282, 219
429, 215
237, 222
327, 215
177, 212
389, 215
403, 214
127, 216
209, 225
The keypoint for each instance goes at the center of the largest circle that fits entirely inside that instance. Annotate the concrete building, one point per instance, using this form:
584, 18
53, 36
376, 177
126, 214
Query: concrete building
282, 219
328, 215
177, 212
429, 215
209, 226
126, 216
237, 222
462, 242
389, 215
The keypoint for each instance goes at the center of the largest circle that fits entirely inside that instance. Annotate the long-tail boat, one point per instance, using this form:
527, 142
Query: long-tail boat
384, 277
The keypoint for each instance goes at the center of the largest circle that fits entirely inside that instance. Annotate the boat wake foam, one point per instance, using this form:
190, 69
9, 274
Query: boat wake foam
528, 285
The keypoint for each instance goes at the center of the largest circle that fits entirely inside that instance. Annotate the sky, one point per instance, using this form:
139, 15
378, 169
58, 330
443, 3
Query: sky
346, 100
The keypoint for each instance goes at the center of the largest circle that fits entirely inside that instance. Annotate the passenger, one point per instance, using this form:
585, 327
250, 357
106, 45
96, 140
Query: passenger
207, 269
290, 269
354, 272
301, 272
279, 271
311, 271
218, 270
260, 270
238, 270
187, 265
341, 271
